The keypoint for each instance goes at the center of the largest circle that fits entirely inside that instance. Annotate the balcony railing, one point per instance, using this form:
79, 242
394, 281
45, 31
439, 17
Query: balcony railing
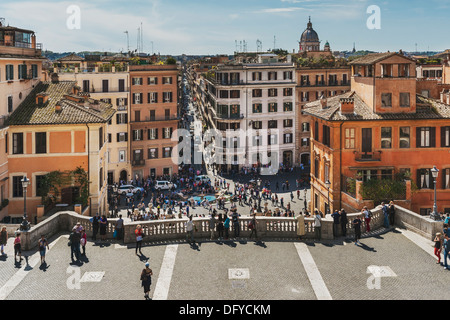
138, 162
367, 156
230, 116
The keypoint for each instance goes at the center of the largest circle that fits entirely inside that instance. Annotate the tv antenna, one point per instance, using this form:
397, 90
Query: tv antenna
128, 42
258, 45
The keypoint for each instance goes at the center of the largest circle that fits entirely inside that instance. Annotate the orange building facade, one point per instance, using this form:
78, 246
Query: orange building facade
377, 130
153, 120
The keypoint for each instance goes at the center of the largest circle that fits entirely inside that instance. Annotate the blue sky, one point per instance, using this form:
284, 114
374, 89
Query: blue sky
212, 26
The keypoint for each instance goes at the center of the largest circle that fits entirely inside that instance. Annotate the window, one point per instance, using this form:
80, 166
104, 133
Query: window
287, 92
101, 138
287, 106
304, 96
257, 141
445, 136
234, 111
287, 123
386, 174
10, 104
404, 137
272, 139
167, 133
272, 75
136, 81
138, 135
105, 85
403, 70
349, 138
137, 155
122, 155
122, 136
137, 98
152, 97
234, 78
86, 86
326, 135
257, 76
257, 108
257, 93
386, 100
22, 71
287, 75
17, 187
326, 171
257, 124
153, 153
404, 99
287, 138
446, 179
273, 124
368, 174
425, 137
305, 142
235, 94
41, 142
167, 80
316, 168
424, 179
167, 152
152, 80
386, 138
17, 143
304, 81
273, 107
167, 97
167, 114
121, 118
305, 127
39, 182
137, 115
121, 85
9, 72
100, 177
152, 115
223, 94
316, 131
273, 92
34, 71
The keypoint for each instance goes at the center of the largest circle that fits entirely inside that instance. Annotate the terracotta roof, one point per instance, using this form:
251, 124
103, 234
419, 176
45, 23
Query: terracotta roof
372, 58
426, 109
71, 57
91, 111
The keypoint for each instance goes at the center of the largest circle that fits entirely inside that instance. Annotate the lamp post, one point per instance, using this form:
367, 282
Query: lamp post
25, 225
434, 215
328, 184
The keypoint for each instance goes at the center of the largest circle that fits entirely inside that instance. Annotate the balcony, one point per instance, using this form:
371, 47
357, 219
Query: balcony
229, 117
367, 156
138, 162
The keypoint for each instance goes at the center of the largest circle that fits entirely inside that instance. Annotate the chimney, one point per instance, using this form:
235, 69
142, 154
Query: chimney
58, 107
347, 105
323, 102
54, 77
41, 99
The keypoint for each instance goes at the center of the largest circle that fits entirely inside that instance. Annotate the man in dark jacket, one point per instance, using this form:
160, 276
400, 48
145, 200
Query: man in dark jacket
74, 239
344, 222
336, 219
95, 226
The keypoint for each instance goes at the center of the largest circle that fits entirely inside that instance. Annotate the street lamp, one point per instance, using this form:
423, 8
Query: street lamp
434, 215
25, 226
328, 184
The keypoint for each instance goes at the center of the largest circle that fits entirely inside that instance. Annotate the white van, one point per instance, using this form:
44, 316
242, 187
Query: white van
163, 185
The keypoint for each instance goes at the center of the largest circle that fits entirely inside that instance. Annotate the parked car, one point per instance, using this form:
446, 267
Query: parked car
202, 178
164, 185
128, 188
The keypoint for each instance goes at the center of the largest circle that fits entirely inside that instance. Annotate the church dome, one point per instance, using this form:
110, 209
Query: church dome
309, 35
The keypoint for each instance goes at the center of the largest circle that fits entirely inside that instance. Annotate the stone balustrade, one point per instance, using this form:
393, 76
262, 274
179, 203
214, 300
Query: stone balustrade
267, 227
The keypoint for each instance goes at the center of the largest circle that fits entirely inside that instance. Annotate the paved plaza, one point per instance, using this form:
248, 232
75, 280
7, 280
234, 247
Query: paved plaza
393, 265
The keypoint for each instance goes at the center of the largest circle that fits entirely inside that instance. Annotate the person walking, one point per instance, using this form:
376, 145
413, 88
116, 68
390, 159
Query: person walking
344, 222
103, 222
336, 220
146, 280
357, 226
119, 228
226, 226
74, 239
300, 225
252, 226
83, 241
367, 218
95, 226
212, 225
236, 225
446, 248
139, 233
385, 210
438, 247
43, 246
317, 225
17, 247
3, 239
220, 226
391, 213
190, 230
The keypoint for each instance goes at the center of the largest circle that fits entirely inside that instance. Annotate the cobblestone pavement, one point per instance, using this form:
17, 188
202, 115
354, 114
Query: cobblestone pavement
387, 266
